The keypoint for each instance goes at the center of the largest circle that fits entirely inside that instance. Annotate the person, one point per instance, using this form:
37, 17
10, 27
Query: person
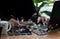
54, 22
12, 10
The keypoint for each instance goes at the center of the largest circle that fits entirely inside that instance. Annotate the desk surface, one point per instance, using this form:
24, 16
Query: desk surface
51, 35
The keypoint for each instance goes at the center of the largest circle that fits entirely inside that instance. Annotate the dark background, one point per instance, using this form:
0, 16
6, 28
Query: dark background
17, 8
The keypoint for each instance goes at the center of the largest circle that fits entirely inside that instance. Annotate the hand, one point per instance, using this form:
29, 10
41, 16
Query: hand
14, 22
